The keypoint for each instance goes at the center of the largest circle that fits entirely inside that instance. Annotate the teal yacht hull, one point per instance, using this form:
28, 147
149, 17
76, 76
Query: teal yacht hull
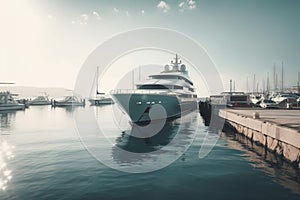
150, 107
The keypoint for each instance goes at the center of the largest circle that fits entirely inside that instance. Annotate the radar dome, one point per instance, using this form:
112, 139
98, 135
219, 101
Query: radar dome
182, 67
167, 68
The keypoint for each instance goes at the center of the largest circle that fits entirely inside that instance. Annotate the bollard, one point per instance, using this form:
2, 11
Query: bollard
255, 115
289, 105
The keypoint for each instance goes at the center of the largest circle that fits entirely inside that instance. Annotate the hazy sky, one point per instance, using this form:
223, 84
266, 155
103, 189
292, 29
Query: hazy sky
44, 43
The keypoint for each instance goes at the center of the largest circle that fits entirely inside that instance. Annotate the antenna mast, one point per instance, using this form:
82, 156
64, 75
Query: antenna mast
253, 84
282, 76
268, 82
274, 77
247, 87
298, 82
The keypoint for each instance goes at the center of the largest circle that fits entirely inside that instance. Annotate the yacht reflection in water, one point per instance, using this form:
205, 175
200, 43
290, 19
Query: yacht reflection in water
7, 119
171, 140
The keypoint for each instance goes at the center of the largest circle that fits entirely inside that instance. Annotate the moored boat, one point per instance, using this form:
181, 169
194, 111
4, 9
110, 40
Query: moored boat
100, 98
283, 98
167, 95
7, 102
42, 99
69, 101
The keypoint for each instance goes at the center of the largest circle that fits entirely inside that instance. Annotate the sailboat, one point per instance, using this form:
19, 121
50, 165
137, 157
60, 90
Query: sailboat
100, 98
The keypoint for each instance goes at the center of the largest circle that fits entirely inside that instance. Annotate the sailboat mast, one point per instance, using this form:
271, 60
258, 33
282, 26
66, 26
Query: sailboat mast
282, 76
263, 86
268, 82
97, 78
253, 91
274, 77
298, 82
247, 87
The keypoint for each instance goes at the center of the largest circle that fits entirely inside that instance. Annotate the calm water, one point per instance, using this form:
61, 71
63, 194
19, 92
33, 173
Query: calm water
42, 157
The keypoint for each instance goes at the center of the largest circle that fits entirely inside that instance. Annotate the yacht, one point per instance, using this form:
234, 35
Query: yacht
166, 95
43, 99
7, 102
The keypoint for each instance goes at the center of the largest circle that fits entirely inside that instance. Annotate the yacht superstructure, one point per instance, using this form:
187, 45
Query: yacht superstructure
169, 94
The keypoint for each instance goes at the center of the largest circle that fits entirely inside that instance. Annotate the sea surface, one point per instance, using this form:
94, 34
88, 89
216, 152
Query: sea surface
67, 153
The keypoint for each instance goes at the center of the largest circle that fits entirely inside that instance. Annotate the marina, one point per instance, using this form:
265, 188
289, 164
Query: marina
151, 100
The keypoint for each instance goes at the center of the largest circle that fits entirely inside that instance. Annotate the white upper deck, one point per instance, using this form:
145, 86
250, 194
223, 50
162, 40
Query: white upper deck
173, 74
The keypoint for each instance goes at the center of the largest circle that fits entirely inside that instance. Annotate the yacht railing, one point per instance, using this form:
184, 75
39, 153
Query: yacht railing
131, 91
158, 92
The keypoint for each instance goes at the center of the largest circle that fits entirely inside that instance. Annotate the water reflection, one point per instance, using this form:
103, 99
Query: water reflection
133, 144
273, 165
6, 154
7, 119
68, 109
170, 142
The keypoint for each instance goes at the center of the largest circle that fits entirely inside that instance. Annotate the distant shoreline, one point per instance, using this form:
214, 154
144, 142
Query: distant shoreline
32, 91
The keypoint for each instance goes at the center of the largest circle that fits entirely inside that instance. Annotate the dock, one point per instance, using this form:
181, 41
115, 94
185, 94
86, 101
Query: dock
278, 130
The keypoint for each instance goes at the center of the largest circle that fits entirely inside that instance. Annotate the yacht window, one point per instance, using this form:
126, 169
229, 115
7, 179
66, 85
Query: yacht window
171, 77
152, 86
178, 87
238, 98
186, 95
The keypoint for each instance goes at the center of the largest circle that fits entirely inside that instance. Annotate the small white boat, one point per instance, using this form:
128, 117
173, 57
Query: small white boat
256, 99
7, 102
285, 98
69, 101
40, 100
101, 100
265, 103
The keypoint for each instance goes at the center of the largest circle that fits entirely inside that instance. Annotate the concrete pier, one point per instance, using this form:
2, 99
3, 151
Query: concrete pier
278, 130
